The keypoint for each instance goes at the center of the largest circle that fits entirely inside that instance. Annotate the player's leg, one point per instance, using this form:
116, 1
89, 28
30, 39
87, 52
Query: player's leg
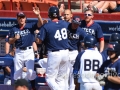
53, 62
96, 86
72, 57
29, 63
62, 74
86, 86
31, 74
18, 64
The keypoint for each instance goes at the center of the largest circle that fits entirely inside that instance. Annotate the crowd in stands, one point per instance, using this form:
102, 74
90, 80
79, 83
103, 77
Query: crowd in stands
26, 5
102, 6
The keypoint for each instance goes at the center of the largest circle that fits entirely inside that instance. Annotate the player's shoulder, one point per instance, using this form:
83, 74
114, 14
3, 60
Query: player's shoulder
60, 22
15, 27
118, 62
30, 24
96, 24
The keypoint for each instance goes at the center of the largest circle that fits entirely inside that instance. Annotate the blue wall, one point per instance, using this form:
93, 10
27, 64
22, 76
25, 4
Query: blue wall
108, 27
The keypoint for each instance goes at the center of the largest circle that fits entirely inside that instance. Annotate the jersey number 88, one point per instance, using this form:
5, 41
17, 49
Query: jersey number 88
91, 65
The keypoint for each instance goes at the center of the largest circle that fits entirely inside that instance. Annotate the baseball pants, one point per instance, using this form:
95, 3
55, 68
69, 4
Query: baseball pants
56, 72
72, 56
90, 86
24, 57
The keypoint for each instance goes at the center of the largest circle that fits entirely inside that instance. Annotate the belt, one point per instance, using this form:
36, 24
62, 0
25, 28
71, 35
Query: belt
25, 48
56, 50
71, 50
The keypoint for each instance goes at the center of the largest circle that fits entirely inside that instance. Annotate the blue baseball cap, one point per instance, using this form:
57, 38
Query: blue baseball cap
21, 14
76, 20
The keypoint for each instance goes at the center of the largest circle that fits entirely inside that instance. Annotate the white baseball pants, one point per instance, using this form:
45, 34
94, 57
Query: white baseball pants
72, 56
21, 57
90, 86
43, 62
56, 73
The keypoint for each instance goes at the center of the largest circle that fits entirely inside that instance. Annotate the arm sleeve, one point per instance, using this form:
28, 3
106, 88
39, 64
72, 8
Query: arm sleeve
76, 66
42, 33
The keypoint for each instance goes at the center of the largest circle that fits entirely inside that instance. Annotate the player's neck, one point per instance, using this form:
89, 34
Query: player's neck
70, 20
114, 60
22, 25
55, 19
89, 23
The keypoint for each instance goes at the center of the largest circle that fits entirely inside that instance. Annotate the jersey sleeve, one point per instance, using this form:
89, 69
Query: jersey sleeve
76, 66
99, 32
42, 33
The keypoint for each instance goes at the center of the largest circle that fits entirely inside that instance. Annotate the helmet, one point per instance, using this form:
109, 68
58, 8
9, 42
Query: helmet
90, 41
115, 47
53, 12
115, 37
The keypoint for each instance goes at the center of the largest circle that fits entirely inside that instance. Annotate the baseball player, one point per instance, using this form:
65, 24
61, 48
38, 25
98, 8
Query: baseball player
115, 37
75, 35
109, 72
22, 35
55, 34
87, 63
93, 28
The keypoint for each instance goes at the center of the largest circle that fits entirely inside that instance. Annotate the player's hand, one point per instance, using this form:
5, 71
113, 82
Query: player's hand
37, 56
36, 31
17, 36
62, 8
36, 10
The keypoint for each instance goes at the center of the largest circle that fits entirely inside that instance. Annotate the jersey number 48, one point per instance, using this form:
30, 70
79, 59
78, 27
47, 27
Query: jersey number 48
61, 34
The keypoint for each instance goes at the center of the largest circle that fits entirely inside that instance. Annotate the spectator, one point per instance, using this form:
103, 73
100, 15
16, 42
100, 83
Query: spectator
108, 6
89, 5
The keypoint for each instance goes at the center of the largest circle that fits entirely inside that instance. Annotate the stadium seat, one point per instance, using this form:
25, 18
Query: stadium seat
43, 6
52, 2
1, 6
7, 6
26, 6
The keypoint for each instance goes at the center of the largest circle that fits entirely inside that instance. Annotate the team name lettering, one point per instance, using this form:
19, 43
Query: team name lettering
73, 36
89, 31
23, 32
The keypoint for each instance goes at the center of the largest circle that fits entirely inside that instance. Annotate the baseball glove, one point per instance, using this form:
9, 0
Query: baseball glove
101, 79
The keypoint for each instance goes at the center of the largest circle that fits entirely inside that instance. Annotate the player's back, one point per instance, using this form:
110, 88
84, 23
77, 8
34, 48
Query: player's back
56, 37
90, 62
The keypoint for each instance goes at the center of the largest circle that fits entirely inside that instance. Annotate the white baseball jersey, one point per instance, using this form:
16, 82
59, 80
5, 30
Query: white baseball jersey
90, 61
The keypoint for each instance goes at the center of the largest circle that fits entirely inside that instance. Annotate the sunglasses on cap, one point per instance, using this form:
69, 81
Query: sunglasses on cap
88, 14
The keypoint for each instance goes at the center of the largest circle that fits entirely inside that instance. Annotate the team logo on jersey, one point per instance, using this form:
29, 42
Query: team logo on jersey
73, 36
89, 31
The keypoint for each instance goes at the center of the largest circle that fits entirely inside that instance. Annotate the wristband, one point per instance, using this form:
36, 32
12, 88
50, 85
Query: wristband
36, 52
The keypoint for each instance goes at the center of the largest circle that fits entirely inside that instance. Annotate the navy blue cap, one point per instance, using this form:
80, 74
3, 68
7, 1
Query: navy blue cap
21, 14
76, 20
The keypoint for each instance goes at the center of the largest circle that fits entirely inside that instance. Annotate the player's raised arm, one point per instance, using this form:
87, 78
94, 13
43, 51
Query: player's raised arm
37, 13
